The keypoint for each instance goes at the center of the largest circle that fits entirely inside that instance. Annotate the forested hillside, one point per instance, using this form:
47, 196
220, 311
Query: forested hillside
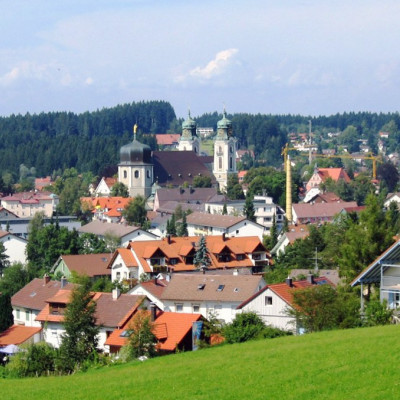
89, 142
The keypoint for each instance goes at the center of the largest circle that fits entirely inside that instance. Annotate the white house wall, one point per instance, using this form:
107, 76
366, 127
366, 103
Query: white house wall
25, 316
224, 311
273, 315
15, 248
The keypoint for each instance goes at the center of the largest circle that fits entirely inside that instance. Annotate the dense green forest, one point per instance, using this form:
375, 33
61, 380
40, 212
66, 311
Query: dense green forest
90, 142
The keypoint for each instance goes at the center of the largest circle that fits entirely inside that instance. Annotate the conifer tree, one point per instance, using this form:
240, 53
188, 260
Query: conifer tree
182, 228
201, 258
249, 210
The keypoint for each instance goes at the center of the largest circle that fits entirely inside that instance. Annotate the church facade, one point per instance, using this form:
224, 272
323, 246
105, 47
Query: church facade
140, 168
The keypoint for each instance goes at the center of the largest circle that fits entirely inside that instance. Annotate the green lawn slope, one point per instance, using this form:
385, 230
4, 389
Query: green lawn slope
347, 364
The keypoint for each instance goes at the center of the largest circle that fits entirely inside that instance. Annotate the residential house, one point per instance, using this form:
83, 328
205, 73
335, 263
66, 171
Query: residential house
384, 271
176, 254
92, 265
392, 197
320, 175
167, 141
273, 302
107, 209
27, 204
42, 183
264, 208
318, 213
31, 299
209, 294
104, 187
5, 215
125, 233
15, 247
285, 239
112, 312
158, 224
152, 289
18, 334
315, 195
173, 331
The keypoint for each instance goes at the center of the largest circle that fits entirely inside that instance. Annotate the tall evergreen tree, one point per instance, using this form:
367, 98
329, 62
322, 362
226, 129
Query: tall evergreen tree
6, 315
224, 209
79, 343
249, 210
201, 258
182, 228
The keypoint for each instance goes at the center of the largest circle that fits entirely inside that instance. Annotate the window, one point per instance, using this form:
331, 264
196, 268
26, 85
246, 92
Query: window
179, 307
148, 174
230, 163
220, 162
18, 314
118, 275
137, 174
230, 149
196, 308
125, 174
237, 231
220, 288
240, 257
268, 300
201, 286
27, 315
173, 261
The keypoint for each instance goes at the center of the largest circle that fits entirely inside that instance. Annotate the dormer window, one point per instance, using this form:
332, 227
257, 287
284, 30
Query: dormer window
173, 261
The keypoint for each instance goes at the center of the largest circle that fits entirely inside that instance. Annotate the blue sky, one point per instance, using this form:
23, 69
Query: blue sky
304, 57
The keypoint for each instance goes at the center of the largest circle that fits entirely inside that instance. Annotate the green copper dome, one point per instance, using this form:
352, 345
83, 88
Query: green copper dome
224, 122
189, 123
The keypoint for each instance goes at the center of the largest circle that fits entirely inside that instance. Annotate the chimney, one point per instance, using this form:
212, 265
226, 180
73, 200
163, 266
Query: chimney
223, 237
310, 279
63, 282
289, 281
116, 293
153, 311
169, 239
46, 279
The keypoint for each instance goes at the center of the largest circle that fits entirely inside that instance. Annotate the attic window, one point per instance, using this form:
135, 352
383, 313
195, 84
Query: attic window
32, 294
201, 286
104, 259
126, 333
220, 288
236, 289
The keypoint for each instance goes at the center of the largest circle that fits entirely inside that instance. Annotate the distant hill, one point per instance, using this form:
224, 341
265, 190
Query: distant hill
345, 364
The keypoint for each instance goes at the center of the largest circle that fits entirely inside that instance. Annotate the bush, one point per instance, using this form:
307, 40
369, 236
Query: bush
244, 327
33, 360
270, 332
377, 313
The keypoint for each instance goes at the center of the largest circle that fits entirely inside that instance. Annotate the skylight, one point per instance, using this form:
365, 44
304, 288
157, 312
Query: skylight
201, 286
220, 288
126, 333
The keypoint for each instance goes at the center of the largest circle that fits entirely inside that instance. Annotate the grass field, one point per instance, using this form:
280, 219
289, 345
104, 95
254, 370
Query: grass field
348, 364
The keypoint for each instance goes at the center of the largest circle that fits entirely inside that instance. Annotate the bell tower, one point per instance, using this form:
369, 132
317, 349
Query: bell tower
189, 140
224, 152
135, 169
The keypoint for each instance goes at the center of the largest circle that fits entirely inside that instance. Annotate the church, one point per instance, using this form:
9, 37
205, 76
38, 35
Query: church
140, 168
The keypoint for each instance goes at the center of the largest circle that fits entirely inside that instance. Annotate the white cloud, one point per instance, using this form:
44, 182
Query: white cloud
215, 67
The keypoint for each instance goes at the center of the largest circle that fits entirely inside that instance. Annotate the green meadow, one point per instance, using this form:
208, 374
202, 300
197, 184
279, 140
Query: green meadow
346, 364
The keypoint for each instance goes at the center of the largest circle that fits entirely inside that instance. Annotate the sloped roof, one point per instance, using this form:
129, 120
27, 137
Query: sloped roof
200, 287
167, 139
321, 210
127, 257
101, 228
214, 220
115, 312
333, 173
185, 195
178, 247
177, 167
285, 292
169, 328
26, 197
87, 264
35, 293
155, 287
110, 203
17, 334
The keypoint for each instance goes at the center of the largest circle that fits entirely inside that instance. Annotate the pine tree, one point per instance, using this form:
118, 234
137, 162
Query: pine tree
4, 263
182, 228
142, 341
171, 226
80, 340
273, 233
201, 259
6, 316
224, 209
249, 210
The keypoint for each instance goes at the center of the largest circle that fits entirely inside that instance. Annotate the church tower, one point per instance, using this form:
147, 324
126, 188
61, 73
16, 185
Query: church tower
224, 152
135, 169
189, 140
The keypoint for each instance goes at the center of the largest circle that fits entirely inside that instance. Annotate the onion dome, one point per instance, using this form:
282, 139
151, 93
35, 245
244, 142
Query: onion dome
189, 127
224, 126
135, 152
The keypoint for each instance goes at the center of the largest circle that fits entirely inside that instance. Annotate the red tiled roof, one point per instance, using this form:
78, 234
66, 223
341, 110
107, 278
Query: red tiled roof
333, 173
156, 289
167, 139
17, 334
169, 328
